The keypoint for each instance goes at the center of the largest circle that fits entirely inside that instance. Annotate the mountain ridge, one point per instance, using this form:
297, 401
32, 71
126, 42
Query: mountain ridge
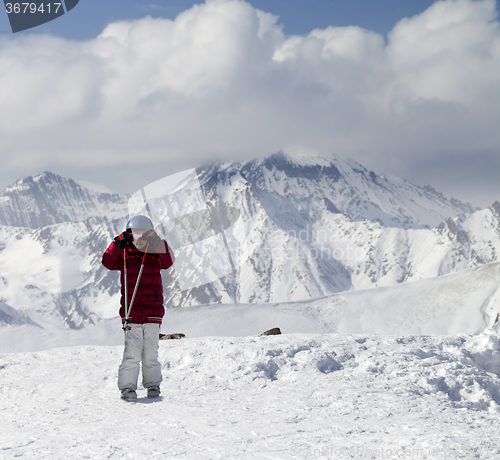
351, 188
335, 228
47, 198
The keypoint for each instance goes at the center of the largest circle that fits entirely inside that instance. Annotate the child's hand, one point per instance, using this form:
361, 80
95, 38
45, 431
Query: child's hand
123, 239
152, 238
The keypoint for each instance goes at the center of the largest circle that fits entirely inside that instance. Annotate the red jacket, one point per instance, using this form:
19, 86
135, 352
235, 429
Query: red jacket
148, 303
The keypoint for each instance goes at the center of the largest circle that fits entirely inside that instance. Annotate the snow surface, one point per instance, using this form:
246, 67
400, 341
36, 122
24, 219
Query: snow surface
308, 393
282, 397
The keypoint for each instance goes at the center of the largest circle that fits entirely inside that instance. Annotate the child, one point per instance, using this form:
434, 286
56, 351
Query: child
140, 245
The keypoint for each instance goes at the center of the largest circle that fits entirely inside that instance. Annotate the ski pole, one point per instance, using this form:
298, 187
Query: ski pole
127, 312
126, 323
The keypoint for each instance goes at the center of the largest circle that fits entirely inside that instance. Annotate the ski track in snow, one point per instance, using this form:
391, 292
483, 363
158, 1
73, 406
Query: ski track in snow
280, 397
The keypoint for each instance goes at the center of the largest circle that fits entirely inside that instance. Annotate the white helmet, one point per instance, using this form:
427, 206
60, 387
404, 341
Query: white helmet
139, 222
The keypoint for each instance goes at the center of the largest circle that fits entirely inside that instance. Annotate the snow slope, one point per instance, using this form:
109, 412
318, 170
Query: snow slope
466, 302
283, 397
9, 315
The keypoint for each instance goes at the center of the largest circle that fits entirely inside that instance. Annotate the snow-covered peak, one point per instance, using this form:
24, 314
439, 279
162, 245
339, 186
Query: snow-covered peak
302, 159
48, 198
344, 185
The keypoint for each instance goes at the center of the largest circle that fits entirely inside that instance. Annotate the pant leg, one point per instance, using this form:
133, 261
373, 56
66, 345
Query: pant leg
128, 371
151, 368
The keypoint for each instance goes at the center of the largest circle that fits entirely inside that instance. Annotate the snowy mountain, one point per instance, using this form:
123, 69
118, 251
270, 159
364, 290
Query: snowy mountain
47, 199
314, 227
300, 187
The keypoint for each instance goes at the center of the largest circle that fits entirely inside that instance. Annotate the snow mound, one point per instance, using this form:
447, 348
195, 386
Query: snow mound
462, 368
465, 370
485, 351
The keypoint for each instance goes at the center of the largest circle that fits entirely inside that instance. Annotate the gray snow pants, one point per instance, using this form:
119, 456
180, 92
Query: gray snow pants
141, 343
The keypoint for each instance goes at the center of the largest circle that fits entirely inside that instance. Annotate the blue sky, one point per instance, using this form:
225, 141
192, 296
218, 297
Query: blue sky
405, 87
297, 16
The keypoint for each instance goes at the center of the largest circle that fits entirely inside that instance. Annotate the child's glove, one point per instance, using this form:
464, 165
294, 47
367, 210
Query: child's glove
152, 238
123, 239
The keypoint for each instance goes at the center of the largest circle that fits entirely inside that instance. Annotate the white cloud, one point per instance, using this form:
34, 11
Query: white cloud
223, 80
